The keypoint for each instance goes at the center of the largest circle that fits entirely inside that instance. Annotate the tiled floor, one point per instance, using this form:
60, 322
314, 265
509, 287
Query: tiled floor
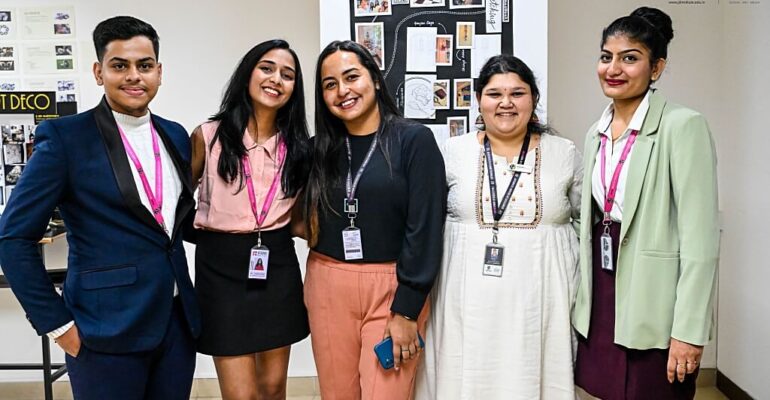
206, 389
709, 393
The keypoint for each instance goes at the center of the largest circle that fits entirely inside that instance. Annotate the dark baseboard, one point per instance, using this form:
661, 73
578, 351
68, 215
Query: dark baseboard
730, 389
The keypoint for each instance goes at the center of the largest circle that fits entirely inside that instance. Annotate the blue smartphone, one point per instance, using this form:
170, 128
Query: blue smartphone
384, 351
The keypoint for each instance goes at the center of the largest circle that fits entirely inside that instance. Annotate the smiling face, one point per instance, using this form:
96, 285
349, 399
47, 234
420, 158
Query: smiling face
130, 74
349, 92
506, 105
625, 71
272, 80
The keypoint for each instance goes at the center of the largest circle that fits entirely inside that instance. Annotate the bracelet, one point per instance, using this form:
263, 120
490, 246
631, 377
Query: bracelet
405, 317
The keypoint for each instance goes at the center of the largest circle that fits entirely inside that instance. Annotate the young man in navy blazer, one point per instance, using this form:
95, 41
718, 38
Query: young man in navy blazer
121, 179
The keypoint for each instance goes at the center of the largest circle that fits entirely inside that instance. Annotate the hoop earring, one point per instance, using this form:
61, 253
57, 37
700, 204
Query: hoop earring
480, 125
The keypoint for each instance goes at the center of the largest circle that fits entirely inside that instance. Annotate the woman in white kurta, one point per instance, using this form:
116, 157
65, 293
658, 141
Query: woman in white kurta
506, 334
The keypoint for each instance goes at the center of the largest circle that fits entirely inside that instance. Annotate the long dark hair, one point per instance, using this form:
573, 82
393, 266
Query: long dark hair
330, 132
237, 109
506, 63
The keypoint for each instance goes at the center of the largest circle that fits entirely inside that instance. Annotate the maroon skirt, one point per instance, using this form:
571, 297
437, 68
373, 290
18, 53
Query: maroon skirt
610, 371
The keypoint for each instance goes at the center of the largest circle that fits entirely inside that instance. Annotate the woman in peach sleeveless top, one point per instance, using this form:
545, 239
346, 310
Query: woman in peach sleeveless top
251, 160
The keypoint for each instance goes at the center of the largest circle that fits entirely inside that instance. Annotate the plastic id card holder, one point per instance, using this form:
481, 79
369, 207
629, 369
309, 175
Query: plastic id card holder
493, 260
258, 261
351, 244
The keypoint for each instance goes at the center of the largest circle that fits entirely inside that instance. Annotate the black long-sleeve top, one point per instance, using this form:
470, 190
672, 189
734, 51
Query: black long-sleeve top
401, 211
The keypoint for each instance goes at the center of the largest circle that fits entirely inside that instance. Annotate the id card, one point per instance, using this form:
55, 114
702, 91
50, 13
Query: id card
493, 260
258, 262
351, 244
606, 243
527, 169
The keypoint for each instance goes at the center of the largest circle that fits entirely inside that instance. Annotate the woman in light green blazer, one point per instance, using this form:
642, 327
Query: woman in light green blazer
649, 234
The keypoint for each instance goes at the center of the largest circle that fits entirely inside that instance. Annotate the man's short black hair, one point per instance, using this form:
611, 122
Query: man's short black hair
123, 28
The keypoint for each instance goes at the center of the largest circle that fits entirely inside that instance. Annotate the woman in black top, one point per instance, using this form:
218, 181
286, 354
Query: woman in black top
374, 206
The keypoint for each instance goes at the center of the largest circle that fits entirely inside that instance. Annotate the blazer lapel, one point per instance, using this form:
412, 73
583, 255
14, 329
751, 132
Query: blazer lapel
637, 166
185, 202
108, 128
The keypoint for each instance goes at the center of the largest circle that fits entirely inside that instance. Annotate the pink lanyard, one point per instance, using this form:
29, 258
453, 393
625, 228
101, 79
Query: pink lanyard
609, 195
260, 216
156, 199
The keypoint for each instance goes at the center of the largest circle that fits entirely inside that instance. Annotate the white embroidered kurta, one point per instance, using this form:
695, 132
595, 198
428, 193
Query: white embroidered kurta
505, 337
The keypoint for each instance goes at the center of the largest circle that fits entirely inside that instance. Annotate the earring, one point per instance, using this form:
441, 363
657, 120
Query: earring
480, 125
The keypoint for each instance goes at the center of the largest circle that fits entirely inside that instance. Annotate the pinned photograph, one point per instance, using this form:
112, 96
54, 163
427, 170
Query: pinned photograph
29, 141
465, 33
441, 94
12, 174
61, 16
5, 16
6, 51
7, 65
463, 94
467, 4
7, 86
29, 133
65, 63
444, 50
457, 126
64, 86
427, 3
65, 97
372, 36
365, 8
12, 133
13, 153
62, 29
64, 50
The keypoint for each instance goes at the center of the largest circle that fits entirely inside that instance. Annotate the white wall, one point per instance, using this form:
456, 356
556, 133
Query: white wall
717, 65
201, 43
744, 173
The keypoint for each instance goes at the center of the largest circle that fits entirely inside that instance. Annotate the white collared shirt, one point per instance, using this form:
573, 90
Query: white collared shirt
612, 153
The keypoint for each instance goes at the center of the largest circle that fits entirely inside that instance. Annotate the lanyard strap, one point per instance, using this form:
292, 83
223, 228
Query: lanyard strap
350, 183
609, 195
499, 209
156, 199
260, 216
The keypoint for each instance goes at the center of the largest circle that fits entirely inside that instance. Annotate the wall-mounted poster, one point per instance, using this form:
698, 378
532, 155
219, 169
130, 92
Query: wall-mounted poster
430, 53
47, 22
8, 19
19, 113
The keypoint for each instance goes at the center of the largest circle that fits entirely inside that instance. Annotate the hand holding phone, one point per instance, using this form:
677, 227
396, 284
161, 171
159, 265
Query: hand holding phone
384, 351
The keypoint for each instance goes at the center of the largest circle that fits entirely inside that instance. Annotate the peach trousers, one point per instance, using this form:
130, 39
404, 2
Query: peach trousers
348, 307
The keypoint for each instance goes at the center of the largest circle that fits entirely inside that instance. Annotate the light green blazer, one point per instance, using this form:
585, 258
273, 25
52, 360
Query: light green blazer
669, 238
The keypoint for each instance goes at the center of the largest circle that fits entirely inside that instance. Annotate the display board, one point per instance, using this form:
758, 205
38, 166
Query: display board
20, 112
431, 51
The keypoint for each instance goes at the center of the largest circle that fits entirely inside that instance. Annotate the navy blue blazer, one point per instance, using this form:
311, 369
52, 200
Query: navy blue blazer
121, 266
